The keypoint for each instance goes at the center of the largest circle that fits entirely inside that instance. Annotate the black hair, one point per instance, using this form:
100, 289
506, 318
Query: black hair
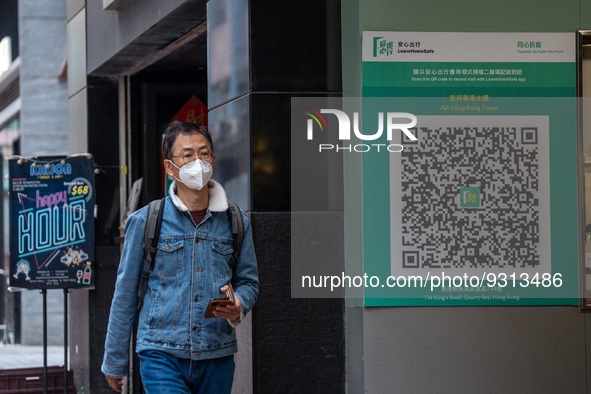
186, 128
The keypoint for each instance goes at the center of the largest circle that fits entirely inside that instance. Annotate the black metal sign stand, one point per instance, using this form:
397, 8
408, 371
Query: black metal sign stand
44, 295
65, 341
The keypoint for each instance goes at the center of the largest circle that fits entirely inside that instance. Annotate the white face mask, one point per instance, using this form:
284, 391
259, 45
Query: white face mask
195, 175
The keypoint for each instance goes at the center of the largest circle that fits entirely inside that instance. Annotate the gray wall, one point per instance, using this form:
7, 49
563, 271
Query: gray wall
461, 349
115, 35
475, 350
111, 31
256, 64
44, 127
80, 355
42, 37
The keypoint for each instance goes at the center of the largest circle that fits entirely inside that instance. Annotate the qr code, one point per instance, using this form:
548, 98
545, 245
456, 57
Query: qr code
471, 194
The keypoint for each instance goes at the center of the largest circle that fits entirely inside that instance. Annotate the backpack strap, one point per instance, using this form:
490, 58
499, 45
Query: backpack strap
235, 217
151, 235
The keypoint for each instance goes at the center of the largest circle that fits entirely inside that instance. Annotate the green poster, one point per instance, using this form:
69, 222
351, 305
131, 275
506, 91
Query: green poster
481, 207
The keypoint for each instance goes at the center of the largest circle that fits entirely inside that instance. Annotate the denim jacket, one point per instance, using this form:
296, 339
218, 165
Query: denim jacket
191, 264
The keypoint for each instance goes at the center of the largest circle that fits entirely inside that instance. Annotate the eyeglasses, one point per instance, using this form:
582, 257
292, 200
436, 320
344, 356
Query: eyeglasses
189, 158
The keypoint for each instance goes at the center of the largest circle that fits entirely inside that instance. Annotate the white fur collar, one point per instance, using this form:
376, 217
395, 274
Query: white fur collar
218, 202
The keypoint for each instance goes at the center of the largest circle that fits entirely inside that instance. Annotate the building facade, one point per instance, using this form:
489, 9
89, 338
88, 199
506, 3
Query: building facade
33, 122
132, 65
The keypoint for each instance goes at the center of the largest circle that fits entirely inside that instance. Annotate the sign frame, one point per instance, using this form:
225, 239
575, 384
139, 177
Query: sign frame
51, 216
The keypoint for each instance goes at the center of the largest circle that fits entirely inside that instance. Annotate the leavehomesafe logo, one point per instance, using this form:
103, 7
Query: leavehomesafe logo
394, 121
384, 47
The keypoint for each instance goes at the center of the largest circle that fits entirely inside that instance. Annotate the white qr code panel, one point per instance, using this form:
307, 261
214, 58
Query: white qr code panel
471, 195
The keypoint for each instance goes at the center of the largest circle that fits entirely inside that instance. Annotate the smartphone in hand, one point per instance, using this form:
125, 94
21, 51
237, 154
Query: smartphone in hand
227, 300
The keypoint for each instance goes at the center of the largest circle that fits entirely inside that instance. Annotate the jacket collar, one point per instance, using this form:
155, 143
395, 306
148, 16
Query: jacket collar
218, 202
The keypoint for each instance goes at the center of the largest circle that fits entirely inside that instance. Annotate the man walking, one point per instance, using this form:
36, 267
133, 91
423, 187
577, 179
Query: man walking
180, 350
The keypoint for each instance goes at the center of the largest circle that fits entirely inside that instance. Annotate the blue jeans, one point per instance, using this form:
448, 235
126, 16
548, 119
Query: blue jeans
166, 374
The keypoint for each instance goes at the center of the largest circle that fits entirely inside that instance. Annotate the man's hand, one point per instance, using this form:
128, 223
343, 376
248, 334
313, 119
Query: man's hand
115, 383
229, 312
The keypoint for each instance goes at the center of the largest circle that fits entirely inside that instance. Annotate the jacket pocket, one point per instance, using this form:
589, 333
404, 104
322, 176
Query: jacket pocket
155, 311
170, 258
222, 253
